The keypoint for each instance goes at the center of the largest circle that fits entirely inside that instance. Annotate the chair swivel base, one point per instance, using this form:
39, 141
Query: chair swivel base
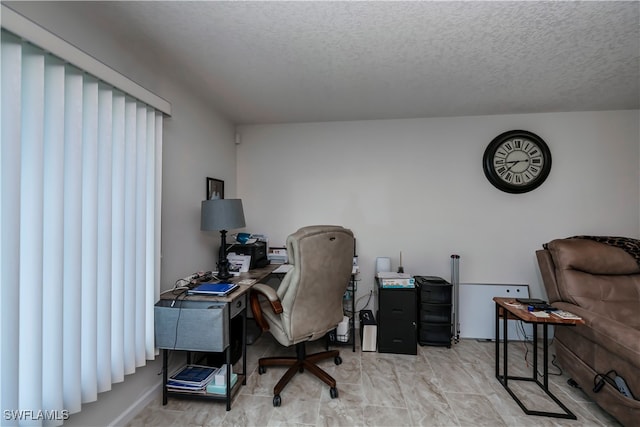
299, 364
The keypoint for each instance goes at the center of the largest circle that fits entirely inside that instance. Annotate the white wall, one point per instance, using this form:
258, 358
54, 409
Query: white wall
417, 186
197, 143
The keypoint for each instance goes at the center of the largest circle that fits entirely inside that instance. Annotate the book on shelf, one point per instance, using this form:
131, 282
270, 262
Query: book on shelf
196, 379
178, 386
192, 376
198, 391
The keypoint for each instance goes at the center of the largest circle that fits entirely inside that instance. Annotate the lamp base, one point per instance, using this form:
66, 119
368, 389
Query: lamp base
223, 270
223, 262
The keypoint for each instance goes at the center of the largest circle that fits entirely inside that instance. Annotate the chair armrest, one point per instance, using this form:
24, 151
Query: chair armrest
270, 294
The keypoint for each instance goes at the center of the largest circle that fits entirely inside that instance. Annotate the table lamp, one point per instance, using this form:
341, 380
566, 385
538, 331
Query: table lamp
222, 215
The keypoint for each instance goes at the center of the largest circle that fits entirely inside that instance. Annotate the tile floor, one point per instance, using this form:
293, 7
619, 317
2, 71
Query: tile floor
438, 387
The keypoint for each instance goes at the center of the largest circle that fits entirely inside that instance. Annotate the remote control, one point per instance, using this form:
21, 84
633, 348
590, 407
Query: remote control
622, 386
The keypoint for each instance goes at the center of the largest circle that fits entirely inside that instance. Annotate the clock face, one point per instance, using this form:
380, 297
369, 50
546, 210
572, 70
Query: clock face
517, 161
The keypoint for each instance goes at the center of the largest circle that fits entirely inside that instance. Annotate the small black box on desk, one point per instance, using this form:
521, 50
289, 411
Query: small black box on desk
368, 331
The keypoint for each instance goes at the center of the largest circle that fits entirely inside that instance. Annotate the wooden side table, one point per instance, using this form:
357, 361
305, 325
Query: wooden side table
506, 308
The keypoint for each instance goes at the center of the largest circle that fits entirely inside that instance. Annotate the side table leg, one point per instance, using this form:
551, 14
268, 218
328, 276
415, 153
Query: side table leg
228, 379
535, 352
497, 341
164, 375
505, 343
244, 346
352, 319
545, 351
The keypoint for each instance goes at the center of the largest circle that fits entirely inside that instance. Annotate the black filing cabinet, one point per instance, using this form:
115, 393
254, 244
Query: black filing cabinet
434, 310
396, 320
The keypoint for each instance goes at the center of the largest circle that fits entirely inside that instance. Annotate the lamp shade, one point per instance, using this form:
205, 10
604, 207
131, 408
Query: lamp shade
221, 214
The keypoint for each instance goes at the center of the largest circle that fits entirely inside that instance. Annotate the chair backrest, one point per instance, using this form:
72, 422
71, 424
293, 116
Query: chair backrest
311, 292
593, 275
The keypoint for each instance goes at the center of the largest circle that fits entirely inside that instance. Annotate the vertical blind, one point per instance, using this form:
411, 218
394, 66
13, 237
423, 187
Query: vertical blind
80, 225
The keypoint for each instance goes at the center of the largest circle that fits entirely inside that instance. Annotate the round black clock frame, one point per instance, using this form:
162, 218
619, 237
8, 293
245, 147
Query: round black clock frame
517, 161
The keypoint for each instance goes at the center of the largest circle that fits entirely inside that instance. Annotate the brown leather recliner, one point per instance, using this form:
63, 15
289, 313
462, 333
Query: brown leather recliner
601, 283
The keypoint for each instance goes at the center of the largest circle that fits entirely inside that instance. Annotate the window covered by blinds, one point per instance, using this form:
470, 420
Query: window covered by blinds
80, 183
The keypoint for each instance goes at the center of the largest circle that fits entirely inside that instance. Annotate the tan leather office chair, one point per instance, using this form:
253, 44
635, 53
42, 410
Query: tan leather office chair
308, 302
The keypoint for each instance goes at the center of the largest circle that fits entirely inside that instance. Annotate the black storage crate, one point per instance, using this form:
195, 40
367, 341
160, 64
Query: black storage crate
435, 297
435, 313
434, 290
434, 334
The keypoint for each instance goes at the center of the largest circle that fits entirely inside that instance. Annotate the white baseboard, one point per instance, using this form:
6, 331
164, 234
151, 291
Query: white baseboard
130, 413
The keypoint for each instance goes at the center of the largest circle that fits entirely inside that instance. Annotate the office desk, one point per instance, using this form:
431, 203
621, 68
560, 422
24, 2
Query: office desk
202, 323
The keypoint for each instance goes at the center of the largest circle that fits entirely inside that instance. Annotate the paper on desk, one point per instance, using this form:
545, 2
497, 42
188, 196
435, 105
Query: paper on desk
284, 268
540, 313
392, 275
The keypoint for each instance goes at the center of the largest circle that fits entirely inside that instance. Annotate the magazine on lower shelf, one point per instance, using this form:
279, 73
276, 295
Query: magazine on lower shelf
177, 386
192, 376
197, 379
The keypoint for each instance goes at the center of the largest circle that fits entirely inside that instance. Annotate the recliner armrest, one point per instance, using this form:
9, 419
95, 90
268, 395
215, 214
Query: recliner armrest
270, 294
617, 337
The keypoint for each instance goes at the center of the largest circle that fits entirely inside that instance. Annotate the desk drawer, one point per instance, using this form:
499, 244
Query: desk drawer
236, 306
192, 325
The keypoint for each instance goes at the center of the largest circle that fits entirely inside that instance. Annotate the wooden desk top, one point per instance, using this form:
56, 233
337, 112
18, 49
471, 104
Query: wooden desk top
256, 274
519, 311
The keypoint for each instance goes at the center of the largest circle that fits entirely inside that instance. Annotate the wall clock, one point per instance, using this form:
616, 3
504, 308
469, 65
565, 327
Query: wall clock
517, 161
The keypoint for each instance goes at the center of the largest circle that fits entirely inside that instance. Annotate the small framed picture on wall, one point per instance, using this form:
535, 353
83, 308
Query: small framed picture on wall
215, 189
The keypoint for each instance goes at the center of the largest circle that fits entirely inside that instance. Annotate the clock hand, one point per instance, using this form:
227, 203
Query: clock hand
515, 162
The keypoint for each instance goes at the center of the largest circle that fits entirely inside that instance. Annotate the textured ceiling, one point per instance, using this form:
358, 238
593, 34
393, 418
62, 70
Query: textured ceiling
265, 62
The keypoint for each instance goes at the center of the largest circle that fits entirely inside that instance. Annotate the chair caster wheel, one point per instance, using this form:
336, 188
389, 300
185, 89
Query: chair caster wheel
276, 400
261, 370
333, 392
338, 360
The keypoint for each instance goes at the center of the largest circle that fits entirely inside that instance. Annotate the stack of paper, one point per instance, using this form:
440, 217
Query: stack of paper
278, 256
390, 279
238, 263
